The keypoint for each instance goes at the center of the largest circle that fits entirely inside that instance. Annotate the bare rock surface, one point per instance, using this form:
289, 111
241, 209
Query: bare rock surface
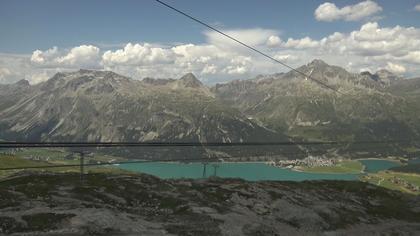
51, 204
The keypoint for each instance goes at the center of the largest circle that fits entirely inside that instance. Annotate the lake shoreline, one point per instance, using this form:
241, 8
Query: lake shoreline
214, 165
253, 171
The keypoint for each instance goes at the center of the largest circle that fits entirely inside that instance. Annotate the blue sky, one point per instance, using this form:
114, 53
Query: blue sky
37, 37
30, 25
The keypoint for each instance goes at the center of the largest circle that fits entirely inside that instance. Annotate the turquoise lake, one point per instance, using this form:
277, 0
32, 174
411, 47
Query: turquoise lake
375, 165
248, 171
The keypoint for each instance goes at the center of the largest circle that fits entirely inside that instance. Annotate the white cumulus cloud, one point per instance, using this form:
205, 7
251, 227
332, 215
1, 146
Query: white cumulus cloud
371, 47
143, 60
39, 77
252, 37
83, 56
395, 68
138, 54
330, 12
287, 58
274, 40
43, 57
302, 43
4, 73
86, 55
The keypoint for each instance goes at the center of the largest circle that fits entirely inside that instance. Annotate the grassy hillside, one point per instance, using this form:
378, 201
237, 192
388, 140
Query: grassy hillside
395, 181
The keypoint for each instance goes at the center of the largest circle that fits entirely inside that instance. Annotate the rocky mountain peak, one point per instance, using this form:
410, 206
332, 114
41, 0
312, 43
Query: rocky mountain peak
22, 83
92, 80
189, 80
382, 76
322, 71
317, 63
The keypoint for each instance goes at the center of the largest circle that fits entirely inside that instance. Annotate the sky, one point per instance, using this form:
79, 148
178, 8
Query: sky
144, 39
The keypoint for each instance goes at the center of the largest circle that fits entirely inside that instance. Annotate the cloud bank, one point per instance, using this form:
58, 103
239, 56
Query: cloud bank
371, 47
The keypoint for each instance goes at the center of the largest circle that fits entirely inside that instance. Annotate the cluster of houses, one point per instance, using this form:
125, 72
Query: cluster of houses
405, 184
310, 161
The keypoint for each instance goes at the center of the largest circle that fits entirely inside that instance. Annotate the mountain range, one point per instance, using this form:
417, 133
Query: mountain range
367, 107
103, 106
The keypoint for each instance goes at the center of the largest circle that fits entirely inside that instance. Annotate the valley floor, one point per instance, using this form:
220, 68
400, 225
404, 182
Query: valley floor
407, 183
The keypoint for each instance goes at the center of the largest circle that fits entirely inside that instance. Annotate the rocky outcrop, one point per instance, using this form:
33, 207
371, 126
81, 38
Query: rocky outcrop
50, 204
